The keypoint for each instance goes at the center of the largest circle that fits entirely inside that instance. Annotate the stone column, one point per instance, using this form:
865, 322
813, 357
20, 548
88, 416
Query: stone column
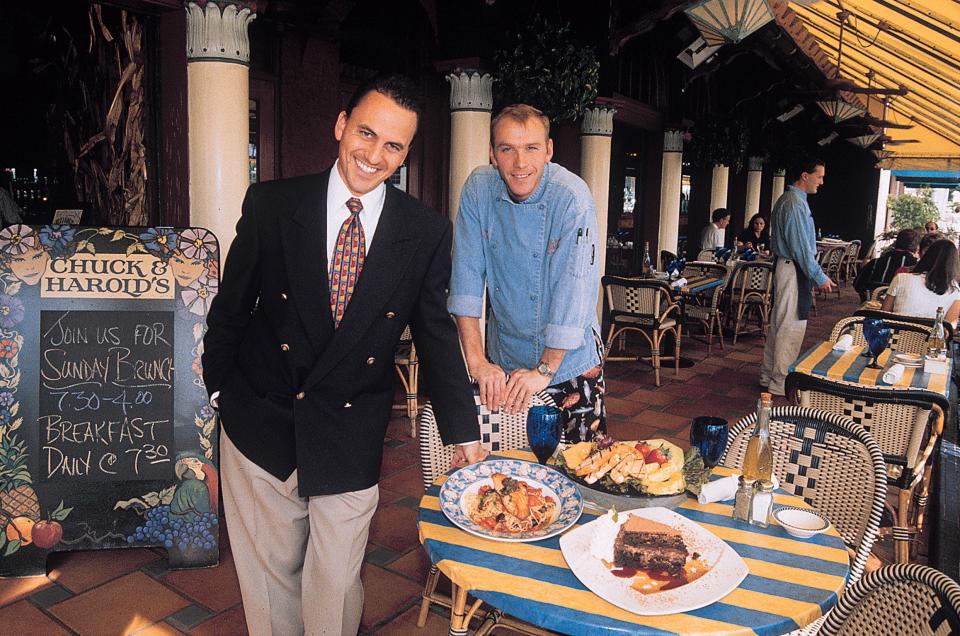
754, 174
777, 187
471, 100
718, 188
596, 131
670, 183
218, 90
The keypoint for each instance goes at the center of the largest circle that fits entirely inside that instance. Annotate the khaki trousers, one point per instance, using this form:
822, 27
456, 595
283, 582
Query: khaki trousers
785, 336
298, 559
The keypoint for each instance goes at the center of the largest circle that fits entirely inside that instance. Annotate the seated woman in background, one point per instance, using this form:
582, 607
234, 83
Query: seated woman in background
880, 271
931, 284
755, 234
926, 241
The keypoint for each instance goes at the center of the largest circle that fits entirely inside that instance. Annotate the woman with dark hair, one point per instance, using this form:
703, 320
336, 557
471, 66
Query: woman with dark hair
931, 284
880, 271
755, 234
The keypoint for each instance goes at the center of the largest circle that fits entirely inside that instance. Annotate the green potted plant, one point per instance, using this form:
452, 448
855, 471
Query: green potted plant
717, 141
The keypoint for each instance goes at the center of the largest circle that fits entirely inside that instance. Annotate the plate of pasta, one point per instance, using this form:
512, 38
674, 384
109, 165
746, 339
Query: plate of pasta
510, 500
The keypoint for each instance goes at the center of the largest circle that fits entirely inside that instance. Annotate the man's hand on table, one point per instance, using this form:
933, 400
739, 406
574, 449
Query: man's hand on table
522, 385
492, 382
464, 454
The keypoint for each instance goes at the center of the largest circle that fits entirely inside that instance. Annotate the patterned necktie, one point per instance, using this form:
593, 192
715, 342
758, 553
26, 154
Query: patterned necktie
347, 260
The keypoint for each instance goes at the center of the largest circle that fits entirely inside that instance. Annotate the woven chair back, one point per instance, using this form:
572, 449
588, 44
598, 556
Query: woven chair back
829, 461
499, 431
706, 255
907, 337
753, 282
831, 258
853, 249
639, 299
898, 600
913, 320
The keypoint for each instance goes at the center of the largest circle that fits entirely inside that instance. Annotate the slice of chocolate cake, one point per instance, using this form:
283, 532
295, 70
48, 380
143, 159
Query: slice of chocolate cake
649, 545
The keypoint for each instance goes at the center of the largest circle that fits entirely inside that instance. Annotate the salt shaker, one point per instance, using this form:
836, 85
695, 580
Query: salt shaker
762, 503
741, 501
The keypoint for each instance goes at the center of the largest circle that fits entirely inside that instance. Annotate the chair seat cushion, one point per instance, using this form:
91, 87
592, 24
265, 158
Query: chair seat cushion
652, 323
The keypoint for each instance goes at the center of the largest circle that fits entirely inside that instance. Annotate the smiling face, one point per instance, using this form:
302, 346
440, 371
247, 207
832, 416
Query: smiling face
520, 152
810, 182
186, 270
759, 224
30, 266
374, 140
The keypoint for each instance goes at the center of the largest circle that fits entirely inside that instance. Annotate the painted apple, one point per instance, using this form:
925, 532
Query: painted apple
47, 534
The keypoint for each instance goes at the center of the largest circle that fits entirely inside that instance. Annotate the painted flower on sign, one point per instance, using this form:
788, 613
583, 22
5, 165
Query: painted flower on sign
8, 348
198, 244
7, 399
197, 297
57, 239
11, 311
16, 240
159, 241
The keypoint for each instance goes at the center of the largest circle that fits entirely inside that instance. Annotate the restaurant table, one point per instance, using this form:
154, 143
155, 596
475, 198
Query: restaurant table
791, 582
694, 288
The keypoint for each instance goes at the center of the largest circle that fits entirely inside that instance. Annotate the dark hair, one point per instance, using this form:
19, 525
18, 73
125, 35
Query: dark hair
754, 218
399, 88
719, 214
935, 226
929, 239
941, 265
805, 164
907, 240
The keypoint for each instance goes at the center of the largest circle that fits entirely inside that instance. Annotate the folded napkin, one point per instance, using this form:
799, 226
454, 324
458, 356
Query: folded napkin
843, 343
893, 374
680, 282
723, 489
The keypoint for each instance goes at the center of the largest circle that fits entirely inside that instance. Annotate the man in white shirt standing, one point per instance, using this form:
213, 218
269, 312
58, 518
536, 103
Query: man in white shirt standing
714, 234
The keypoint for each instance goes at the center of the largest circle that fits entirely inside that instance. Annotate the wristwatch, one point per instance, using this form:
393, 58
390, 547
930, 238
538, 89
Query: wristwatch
544, 369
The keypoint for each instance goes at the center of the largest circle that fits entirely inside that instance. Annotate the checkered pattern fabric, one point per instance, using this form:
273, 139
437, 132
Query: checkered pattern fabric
347, 260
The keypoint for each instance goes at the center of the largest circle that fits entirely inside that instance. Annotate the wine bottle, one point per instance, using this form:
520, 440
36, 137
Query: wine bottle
937, 342
647, 267
758, 462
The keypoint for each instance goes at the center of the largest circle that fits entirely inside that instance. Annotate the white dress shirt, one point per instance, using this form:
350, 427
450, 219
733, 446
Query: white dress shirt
337, 212
712, 237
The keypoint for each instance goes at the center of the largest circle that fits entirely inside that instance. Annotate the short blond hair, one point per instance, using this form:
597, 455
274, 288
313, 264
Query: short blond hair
520, 113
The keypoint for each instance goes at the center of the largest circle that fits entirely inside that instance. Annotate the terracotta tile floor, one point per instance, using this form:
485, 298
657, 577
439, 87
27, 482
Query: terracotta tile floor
132, 591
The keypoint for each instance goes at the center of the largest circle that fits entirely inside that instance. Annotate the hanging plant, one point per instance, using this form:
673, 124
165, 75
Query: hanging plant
548, 69
718, 141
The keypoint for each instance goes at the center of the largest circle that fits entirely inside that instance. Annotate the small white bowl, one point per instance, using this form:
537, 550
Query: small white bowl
800, 522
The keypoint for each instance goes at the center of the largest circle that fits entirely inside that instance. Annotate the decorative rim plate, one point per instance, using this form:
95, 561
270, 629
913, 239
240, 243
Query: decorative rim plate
460, 487
727, 569
824, 522
908, 359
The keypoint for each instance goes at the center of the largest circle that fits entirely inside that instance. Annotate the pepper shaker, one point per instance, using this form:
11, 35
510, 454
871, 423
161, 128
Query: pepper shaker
742, 500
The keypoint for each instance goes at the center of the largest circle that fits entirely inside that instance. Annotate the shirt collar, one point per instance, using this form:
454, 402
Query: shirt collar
537, 194
338, 192
803, 195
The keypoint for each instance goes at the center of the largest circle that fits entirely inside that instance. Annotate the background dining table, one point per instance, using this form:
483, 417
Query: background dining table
791, 582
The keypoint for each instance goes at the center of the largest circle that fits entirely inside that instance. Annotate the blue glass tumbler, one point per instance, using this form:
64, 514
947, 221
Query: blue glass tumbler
544, 426
878, 342
870, 326
709, 435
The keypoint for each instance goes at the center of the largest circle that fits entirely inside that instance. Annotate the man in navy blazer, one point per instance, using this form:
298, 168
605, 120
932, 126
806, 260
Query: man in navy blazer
304, 401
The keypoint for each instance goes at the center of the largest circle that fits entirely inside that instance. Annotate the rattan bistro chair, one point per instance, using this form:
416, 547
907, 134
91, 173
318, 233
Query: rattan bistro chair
408, 368
926, 323
499, 431
751, 293
851, 261
829, 461
897, 600
906, 424
908, 336
832, 262
644, 306
708, 311
707, 255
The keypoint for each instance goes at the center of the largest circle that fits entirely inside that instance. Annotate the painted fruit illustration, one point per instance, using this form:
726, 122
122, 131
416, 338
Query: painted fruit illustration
21, 529
47, 534
17, 496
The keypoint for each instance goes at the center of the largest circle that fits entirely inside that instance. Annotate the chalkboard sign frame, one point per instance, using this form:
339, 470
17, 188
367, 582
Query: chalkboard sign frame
64, 290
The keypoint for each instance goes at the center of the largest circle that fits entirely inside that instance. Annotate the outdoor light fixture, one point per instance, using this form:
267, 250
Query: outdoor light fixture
829, 138
723, 21
698, 52
864, 141
838, 110
793, 112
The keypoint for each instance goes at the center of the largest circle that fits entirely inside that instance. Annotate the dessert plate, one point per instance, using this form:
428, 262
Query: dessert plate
459, 492
727, 569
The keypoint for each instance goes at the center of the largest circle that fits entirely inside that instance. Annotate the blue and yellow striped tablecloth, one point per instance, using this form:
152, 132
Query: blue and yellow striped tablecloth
699, 284
791, 582
850, 366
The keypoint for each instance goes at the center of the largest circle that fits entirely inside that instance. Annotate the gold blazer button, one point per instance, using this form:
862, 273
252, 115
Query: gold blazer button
283, 296
284, 347
371, 360
301, 395
390, 315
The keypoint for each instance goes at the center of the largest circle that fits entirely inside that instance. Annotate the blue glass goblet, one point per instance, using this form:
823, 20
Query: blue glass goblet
544, 426
878, 342
709, 435
870, 326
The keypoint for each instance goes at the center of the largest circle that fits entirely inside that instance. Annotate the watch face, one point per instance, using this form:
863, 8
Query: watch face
544, 369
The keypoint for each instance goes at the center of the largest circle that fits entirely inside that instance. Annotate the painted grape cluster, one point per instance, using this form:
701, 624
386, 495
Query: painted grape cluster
183, 531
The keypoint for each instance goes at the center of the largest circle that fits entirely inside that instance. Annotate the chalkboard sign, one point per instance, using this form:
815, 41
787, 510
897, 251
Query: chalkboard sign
106, 436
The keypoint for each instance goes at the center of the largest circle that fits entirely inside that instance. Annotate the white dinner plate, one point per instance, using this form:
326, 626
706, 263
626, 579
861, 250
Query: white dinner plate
461, 488
727, 569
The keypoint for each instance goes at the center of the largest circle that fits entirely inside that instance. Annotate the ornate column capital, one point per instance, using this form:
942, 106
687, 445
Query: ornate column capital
672, 141
471, 90
597, 121
219, 35
755, 164
780, 172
